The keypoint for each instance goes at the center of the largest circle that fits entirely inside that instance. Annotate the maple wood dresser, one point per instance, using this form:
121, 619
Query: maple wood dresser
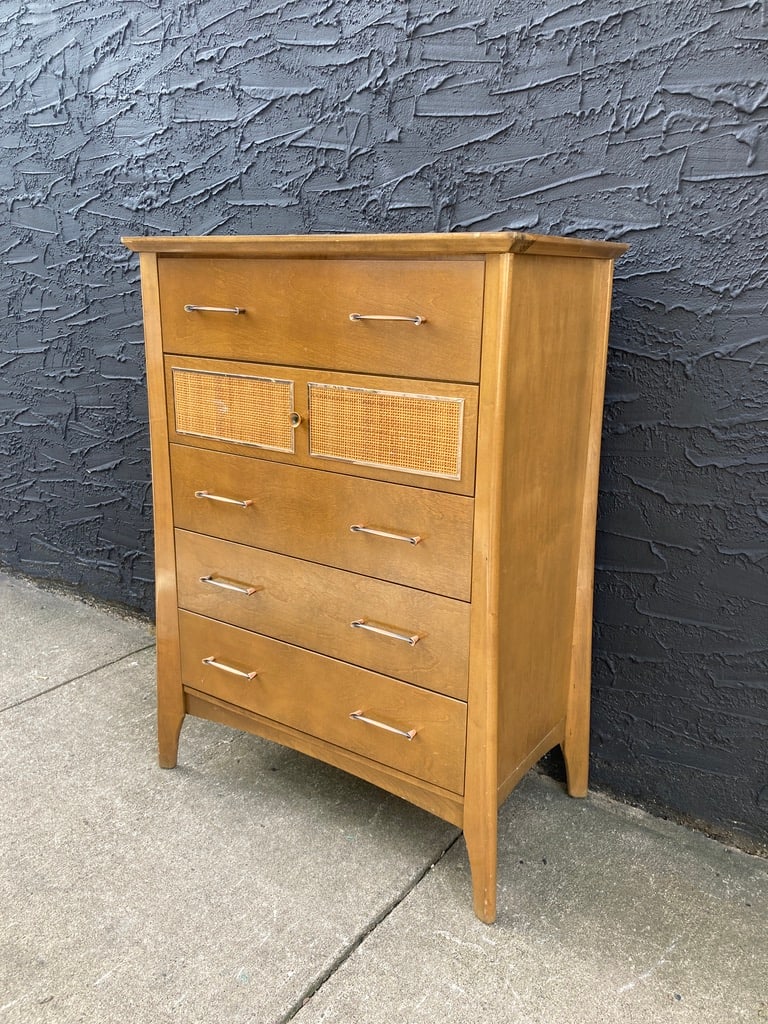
375, 465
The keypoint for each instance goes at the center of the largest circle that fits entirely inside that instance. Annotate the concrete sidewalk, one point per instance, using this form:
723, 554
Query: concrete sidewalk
253, 884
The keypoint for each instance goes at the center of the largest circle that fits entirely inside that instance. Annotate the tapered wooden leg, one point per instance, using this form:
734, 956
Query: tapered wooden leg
481, 837
170, 692
576, 756
575, 744
168, 731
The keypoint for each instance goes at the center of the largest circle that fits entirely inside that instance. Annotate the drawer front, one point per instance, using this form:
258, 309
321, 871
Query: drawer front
418, 637
317, 695
391, 428
311, 515
298, 311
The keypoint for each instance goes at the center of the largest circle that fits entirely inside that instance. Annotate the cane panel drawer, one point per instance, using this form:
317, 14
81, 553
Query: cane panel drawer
415, 636
318, 695
298, 312
310, 514
378, 427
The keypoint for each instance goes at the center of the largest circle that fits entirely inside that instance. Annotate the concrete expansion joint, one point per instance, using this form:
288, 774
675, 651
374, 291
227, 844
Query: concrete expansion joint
362, 936
76, 678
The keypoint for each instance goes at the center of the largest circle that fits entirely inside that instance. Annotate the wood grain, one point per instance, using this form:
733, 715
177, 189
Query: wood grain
575, 743
434, 244
307, 513
313, 607
317, 695
434, 799
298, 312
481, 802
170, 698
558, 330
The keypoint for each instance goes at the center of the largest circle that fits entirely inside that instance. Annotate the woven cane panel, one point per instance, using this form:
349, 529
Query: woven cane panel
387, 429
229, 407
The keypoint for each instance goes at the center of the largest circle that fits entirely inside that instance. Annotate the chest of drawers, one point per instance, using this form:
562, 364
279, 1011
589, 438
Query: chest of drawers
375, 465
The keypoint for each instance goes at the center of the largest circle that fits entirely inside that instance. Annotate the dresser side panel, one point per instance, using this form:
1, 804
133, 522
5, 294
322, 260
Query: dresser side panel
557, 317
575, 743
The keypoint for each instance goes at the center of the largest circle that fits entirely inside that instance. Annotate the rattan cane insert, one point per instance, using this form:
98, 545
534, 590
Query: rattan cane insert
387, 429
233, 407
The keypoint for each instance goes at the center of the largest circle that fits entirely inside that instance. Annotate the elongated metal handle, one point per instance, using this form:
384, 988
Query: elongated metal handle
228, 668
415, 320
395, 634
359, 528
360, 717
227, 501
213, 309
216, 581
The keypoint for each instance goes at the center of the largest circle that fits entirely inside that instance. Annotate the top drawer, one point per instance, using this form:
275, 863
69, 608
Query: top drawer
418, 318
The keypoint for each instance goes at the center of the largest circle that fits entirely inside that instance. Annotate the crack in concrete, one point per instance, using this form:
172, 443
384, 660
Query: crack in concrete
359, 939
74, 679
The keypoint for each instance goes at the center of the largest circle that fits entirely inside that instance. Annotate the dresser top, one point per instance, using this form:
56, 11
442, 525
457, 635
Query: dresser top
475, 243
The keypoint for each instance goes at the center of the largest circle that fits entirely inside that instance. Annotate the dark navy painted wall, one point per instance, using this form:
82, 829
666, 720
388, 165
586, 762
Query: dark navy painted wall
643, 122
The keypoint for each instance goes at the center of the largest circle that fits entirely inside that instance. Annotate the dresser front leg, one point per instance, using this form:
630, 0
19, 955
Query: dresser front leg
481, 838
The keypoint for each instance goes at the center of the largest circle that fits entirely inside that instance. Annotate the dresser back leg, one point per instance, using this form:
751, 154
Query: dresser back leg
576, 756
169, 722
575, 743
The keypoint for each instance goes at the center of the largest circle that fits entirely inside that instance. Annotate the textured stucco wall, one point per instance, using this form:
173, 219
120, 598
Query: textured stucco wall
642, 122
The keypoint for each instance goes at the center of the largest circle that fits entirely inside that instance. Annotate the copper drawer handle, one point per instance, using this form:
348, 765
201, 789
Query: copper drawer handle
409, 638
227, 501
360, 717
214, 309
417, 321
213, 663
359, 528
215, 581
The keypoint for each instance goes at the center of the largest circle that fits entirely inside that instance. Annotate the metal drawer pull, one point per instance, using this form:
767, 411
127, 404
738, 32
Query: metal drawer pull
225, 585
227, 501
415, 320
360, 717
228, 668
214, 309
359, 528
409, 638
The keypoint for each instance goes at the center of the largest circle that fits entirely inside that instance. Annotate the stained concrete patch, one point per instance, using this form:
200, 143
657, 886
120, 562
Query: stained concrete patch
47, 638
219, 891
605, 915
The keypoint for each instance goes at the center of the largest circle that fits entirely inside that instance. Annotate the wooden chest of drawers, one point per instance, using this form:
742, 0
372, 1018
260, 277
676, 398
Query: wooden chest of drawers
375, 465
